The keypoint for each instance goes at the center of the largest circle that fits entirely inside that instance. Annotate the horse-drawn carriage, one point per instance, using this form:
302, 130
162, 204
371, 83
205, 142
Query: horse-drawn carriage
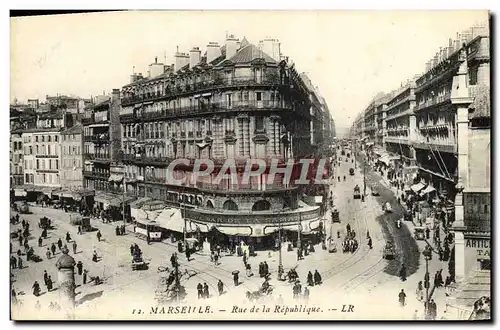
138, 263
45, 223
357, 192
389, 251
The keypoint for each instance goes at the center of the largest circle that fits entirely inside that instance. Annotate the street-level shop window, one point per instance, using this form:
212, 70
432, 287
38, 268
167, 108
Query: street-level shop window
485, 264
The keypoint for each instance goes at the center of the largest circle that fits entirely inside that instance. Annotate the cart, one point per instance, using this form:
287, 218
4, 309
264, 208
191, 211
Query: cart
357, 193
419, 233
387, 207
138, 263
335, 216
389, 251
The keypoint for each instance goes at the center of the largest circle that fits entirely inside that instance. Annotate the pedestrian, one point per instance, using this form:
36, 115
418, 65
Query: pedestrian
199, 288
84, 276
117, 231
94, 256
216, 259
427, 233
235, 279
420, 291
79, 230
99, 235
402, 297
440, 277
310, 280
53, 249
68, 237
370, 242
79, 267
206, 293
59, 243
74, 247
40, 241
49, 284
248, 269
44, 233
212, 256
123, 229
132, 249
402, 273
173, 260
220, 287
48, 253
433, 309
245, 258
36, 289
20, 263
13, 262
317, 278
266, 268
306, 293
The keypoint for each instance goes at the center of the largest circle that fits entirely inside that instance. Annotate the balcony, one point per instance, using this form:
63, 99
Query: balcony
97, 157
46, 170
97, 138
94, 120
211, 108
96, 175
201, 86
252, 218
441, 146
146, 160
397, 139
438, 100
47, 156
242, 188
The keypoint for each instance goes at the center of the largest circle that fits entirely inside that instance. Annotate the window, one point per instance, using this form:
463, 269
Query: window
36, 138
27, 178
38, 164
55, 138
43, 138
259, 96
259, 123
228, 100
48, 138
57, 164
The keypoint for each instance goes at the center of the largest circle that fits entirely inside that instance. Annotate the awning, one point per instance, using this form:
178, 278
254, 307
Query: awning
202, 145
171, 219
427, 190
369, 144
197, 96
20, 192
139, 203
47, 191
115, 177
113, 200
202, 228
235, 231
138, 105
206, 94
417, 187
318, 199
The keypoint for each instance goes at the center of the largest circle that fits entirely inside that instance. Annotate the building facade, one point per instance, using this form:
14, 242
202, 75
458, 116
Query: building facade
72, 157
236, 102
16, 159
101, 141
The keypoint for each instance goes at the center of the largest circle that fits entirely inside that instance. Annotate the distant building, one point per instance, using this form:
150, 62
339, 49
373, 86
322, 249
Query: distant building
72, 157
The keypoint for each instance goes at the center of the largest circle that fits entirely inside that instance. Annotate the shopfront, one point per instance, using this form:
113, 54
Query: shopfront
477, 253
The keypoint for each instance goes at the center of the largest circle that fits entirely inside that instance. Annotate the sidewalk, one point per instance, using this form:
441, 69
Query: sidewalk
438, 294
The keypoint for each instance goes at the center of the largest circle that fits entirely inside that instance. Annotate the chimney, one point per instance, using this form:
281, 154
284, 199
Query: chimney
213, 51
271, 47
181, 59
115, 95
427, 66
231, 46
194, 56
456, 45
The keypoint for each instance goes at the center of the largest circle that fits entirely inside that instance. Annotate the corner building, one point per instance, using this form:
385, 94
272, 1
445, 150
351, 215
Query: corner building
235, 102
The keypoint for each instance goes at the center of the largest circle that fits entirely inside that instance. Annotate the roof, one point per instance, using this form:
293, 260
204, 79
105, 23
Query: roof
250, 53
77, 129
481, 103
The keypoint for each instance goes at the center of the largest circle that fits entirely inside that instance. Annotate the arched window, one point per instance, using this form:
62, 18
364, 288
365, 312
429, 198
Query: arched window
261, 205
210, 205
230, 205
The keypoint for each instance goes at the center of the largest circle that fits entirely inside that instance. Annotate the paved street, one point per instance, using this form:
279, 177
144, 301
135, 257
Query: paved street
362, 278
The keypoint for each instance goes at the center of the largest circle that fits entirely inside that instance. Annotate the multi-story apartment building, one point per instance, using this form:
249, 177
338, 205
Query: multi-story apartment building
239, 101
401, 124
72, 104
72, 157
101, 140
16, 159
436, 109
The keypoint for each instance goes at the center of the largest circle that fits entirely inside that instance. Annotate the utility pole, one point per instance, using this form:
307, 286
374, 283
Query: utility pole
123, 201
280, 265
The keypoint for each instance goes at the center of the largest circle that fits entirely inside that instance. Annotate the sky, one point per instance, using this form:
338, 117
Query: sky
349, 55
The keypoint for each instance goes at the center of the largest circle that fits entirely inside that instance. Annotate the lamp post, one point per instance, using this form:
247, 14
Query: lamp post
428, 256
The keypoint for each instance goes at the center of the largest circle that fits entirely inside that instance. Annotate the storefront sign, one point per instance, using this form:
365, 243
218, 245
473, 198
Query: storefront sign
482, 247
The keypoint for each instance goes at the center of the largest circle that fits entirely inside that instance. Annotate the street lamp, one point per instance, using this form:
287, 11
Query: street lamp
427, 252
